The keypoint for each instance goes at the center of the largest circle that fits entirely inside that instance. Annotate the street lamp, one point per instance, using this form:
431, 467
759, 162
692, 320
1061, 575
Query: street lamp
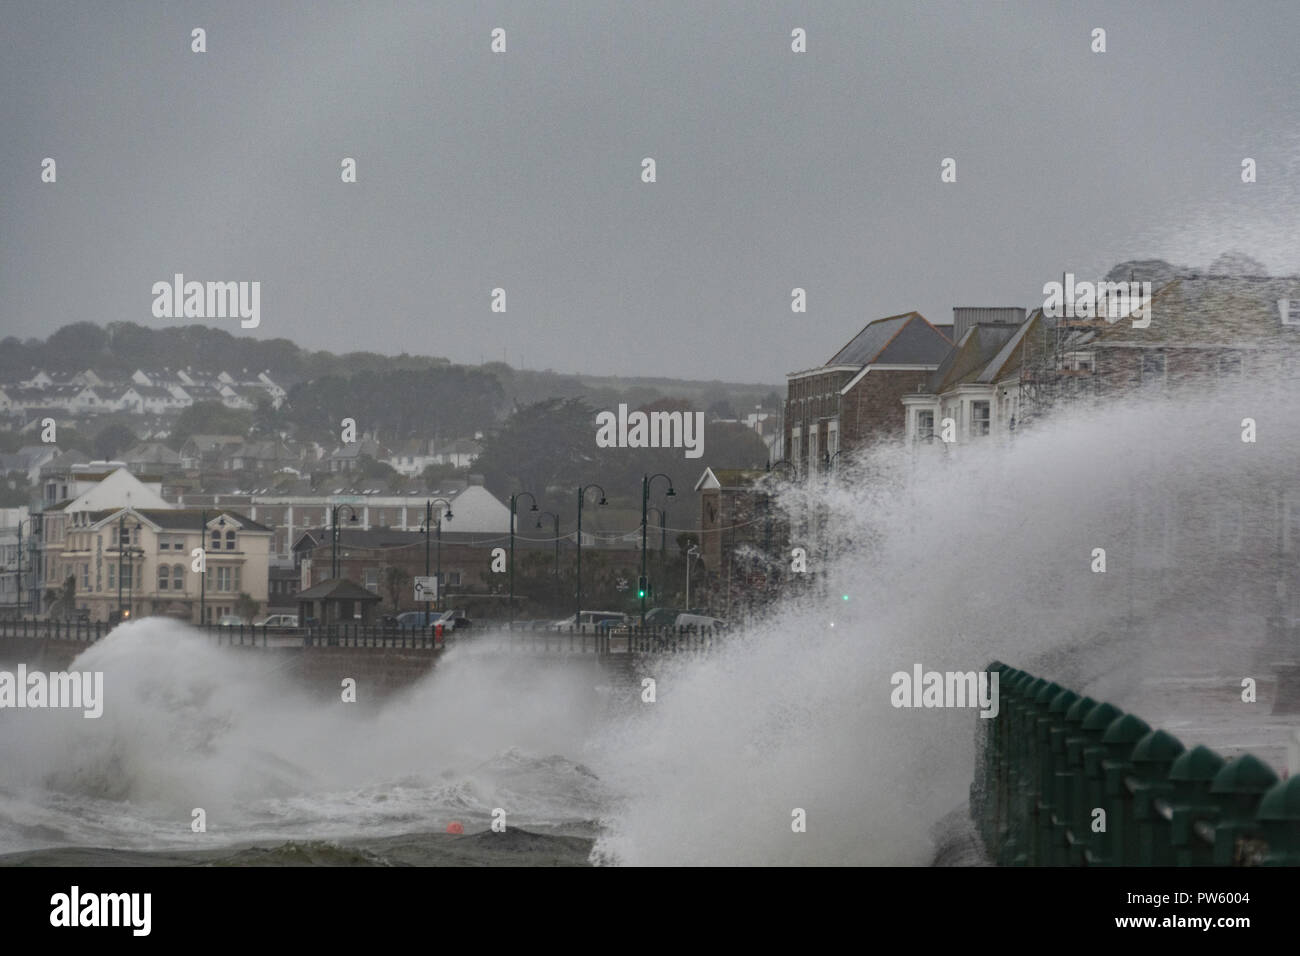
784, 461
428, 520
582, 494
692, 553
513, 501
203, 575
32, 521
121, 550
663, 533
646, 481
334, 527
556, 519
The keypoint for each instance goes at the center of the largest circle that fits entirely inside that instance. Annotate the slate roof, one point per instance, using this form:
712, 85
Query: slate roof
971, 356
907, 339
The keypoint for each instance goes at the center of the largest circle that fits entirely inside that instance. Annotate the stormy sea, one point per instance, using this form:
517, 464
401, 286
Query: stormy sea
944, 559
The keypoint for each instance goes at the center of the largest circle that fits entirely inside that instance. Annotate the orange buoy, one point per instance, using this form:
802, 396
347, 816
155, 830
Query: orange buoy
455, 827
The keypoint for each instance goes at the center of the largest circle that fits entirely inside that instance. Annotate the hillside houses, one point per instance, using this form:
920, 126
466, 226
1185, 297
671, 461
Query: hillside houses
144, 392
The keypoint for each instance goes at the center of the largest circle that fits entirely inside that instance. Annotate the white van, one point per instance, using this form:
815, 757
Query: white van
589, 620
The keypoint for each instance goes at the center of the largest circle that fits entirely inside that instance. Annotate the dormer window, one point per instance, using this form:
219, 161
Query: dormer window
230, 541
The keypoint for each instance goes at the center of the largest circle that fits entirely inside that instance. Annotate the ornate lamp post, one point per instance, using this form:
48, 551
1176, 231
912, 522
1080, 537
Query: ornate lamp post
582, 494
428, 520
203, 575
514, 500
31, 521
646, 481
334, 528
556, 519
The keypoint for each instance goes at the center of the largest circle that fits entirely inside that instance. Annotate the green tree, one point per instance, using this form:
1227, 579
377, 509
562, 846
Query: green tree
246, 607
113, 440
371, 467
395, 582
209, 418
548, 444
62, 601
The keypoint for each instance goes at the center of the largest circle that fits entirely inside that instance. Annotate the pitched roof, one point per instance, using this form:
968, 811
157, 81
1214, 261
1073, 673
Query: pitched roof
730, 478
185, 519
1012, 354
64, 461
971, 356
154, 452
337, 589
907, 339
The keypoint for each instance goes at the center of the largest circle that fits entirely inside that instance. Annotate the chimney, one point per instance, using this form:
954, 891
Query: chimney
963, 317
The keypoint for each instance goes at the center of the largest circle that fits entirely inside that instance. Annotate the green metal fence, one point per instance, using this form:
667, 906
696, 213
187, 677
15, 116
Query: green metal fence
1064, 780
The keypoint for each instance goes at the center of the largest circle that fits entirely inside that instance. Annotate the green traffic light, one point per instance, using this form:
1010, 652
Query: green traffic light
846, 597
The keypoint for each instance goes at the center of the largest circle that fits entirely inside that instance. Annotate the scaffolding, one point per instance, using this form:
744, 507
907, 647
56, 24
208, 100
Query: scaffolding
1058, 366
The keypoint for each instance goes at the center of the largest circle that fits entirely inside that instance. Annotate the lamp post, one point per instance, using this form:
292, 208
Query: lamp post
334, 527
428, 520
130, 594
692, 553
514, 499
121, 551
646, 481
203, 575
582, 494
556, 519
663, 533
31, 520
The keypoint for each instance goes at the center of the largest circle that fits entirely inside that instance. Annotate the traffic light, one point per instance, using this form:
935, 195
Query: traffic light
641, 588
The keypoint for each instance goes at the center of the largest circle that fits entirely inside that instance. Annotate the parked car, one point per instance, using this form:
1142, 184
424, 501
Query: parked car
278, 620
417, 618
454, 620
699, 622
658, 617
588, 620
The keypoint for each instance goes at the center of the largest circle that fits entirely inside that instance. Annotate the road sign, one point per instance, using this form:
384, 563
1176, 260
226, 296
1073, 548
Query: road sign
426, 589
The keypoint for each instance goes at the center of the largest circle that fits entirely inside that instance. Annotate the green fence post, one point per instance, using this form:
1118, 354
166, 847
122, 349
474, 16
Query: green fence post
1119, 740
983, 786
1237, 788
1073, 834
1057, 792
1015, 847
1039, 741
1279, 823
1010, 774
1152, 759
1094, 752
1190, 803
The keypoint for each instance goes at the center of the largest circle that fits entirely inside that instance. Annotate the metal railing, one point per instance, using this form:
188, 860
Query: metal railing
1063, 780
569, 640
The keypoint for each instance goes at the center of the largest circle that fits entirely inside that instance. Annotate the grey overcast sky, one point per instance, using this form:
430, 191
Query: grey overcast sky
522, 170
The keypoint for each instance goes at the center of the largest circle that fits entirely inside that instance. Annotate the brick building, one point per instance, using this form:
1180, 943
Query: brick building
853, 400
